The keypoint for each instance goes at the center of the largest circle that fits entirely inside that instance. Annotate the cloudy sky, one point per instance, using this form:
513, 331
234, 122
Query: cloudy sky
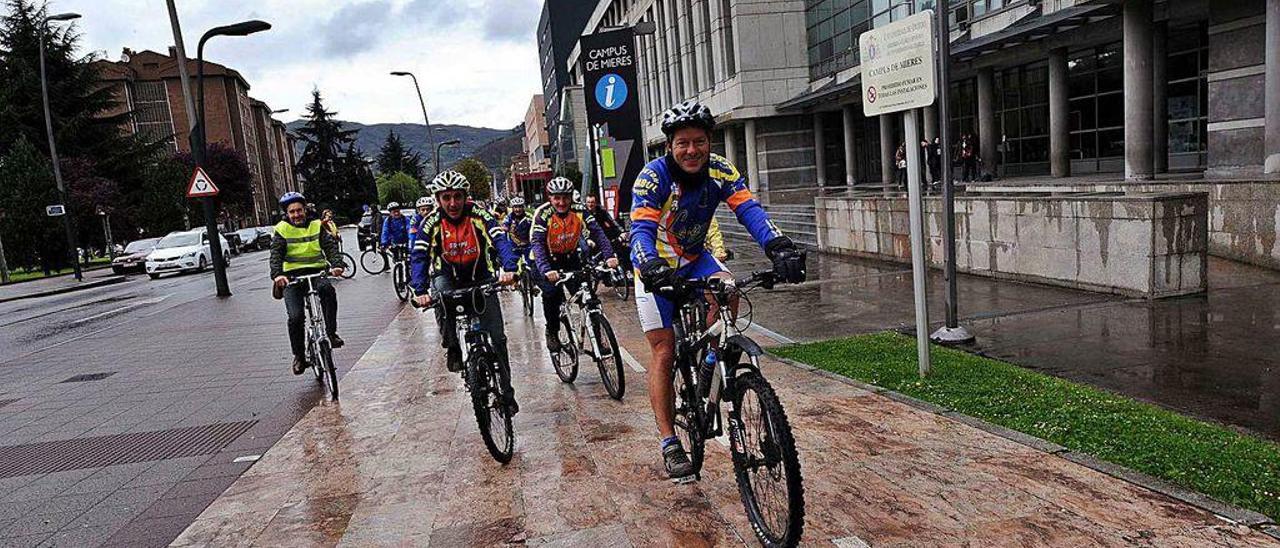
477, 60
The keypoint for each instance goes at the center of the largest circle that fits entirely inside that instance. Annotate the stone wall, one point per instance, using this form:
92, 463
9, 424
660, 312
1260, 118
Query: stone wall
1149, 245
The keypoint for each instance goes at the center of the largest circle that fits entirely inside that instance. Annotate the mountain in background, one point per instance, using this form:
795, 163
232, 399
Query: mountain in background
497, 153
474, 139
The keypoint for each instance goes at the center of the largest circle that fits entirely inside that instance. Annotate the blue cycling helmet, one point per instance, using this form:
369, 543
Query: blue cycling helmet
290, 197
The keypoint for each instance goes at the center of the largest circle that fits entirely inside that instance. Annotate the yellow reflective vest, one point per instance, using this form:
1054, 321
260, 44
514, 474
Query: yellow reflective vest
302, 246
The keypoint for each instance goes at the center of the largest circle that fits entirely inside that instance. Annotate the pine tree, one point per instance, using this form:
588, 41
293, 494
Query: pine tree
478, 175
395, 157
336, 173
26, 187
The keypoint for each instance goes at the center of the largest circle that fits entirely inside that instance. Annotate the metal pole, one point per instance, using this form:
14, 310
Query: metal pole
53, 156
210, 207
431, 138
951, 332
180, 53
111, 244
919, 270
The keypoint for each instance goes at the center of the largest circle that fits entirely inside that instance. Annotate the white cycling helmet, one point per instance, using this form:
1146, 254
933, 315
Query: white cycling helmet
559, 185
517, 202
425, 201
450, 180
393, 206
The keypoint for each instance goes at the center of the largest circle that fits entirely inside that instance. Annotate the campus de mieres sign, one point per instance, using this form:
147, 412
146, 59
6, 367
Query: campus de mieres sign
613, 114
897, 65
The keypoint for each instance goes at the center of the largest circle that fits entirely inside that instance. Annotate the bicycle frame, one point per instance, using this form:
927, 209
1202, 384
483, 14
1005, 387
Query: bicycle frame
588, 303
317, 331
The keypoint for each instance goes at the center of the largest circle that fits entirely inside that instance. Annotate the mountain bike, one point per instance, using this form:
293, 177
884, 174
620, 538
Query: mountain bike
528, 289
319, 348
595, 335
482, 372
374, 261
765, 462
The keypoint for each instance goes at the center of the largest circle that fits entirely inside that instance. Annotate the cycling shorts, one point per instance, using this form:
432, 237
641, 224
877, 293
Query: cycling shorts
656, 311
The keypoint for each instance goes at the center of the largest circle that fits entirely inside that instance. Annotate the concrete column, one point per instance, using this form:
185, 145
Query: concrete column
1137, 90
850, 154
1059, 125
681, 20
888, 147
1160, 97
730, 145
987, 131
930, 122
753, 163
819, 150
1271, 102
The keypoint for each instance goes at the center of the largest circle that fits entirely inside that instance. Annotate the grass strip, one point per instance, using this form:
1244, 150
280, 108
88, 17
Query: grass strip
1232, 467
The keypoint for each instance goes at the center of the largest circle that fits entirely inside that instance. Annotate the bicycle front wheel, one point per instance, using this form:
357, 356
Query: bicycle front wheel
608, 358
689, 415
566, 360
526, 294
765, 462
348, 266
400, 280
490, 409
327, 369
373, 262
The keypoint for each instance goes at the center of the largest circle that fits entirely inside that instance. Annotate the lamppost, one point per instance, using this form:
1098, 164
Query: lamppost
105, 213
198, 150
449, 143
430, 136
72, 245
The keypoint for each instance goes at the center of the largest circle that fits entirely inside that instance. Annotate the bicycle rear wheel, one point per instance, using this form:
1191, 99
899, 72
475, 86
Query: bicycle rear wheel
400, 280
327, 369
688, 415
566, 360
373, 262
765, 462
526, 294
490, 409
608, 358
348, 266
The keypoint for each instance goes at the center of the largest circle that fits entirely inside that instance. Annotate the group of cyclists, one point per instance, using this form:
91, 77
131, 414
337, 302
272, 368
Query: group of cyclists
455, 243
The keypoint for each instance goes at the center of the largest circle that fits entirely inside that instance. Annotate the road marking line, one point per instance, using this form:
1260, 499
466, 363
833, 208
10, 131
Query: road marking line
850, 542
631, 360
120, 310
247, 458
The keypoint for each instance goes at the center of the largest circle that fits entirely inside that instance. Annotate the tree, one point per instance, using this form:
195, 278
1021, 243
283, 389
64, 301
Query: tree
394, 157
86, 117
478, 176
398, 187
26, 187
164, 206
337, 174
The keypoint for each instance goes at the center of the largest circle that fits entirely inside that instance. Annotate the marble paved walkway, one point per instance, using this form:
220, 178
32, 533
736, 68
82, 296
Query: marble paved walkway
399, 463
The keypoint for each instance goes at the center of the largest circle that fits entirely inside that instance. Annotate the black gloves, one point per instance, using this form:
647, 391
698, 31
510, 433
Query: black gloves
788, 261
656, 273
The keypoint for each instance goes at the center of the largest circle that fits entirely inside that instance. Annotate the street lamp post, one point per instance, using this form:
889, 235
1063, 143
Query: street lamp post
449, 143
105, 213
53, 147
198, 149
430, 135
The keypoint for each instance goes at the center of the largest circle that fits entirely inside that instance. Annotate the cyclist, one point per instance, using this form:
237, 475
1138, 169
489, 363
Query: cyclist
517, 225
424, 207
301, 247
612, 230
674, 200
559, 227
395, 228
461, 246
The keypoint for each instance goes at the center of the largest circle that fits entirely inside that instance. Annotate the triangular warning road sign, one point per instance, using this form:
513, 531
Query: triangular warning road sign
201, 186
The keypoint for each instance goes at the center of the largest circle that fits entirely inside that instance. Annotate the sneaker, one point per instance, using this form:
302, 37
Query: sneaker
553, 341
299, 365
335, 341
512, 406
453, 360
677, 463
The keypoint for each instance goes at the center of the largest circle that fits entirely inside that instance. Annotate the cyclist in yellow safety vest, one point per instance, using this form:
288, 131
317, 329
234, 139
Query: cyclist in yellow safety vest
301, 247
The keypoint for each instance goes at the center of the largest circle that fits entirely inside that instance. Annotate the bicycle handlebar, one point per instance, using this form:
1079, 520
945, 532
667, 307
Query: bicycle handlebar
438, 297
763, 278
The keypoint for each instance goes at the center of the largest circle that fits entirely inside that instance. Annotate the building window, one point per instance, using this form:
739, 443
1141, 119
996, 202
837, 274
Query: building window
691, 39
1188, 96
1095, 109
726, 15
1022, 118
151, 117
708, 59
964, 109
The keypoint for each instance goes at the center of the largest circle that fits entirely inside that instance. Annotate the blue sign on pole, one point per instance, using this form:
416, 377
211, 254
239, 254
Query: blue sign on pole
611, 92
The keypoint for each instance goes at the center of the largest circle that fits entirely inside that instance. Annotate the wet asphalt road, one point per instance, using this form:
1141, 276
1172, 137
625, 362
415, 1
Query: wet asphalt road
183, 384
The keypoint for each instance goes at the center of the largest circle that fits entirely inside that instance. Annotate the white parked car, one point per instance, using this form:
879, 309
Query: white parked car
184, 252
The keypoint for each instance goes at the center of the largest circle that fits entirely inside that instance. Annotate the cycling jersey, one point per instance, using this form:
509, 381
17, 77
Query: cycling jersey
671, 210
415, 227
554, 236
518, 230
470, 249
395, 230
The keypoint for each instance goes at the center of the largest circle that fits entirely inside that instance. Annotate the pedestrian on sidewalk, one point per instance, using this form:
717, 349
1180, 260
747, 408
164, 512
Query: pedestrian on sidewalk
900, 166
968, 159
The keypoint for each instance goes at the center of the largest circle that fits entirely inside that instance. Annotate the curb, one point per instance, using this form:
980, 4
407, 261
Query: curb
1249, 518
68, 289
